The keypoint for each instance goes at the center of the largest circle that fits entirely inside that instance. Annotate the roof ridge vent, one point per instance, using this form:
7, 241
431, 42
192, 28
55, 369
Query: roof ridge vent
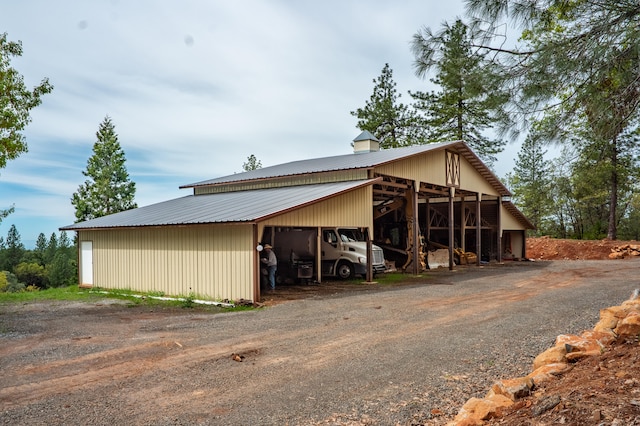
365, 142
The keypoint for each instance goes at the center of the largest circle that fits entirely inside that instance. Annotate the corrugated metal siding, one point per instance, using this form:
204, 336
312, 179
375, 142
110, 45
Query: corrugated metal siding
330, 212
309, 179
213, 261
429, 167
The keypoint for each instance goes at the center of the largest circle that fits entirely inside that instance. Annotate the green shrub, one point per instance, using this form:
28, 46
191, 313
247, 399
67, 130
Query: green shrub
62, 271
13, 286
31, 274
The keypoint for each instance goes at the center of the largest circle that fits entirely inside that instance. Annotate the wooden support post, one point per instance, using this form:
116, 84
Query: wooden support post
499, 229
416, 229
369, 277
478, 227
463, 225
319, 255
452, 194
428, 227
256, 265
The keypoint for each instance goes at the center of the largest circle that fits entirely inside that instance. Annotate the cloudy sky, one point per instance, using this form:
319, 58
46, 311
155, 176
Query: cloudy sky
195, 87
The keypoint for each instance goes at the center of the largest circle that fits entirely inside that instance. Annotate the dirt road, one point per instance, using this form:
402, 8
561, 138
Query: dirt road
408, 354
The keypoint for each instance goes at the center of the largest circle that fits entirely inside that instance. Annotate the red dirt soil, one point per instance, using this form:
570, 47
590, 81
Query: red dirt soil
545, 248
599, 390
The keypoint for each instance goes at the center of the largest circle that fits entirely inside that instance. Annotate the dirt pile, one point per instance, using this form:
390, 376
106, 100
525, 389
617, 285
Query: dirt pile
545, 248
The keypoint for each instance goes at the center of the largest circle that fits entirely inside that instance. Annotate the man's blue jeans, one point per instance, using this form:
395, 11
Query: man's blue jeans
272, 276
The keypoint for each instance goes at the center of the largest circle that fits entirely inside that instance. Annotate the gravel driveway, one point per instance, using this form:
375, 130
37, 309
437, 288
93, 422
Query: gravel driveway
405, 355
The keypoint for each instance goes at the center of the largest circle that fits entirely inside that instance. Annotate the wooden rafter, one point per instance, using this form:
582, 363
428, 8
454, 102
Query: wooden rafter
470, 219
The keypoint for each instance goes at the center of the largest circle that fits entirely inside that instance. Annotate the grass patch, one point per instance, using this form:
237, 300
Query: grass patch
72, 292
134, 299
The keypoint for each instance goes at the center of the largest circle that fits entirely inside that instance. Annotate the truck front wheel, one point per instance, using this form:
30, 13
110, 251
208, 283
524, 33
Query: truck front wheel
345, 270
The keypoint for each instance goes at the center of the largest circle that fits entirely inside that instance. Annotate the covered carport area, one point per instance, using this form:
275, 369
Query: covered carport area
460, 211
348, 206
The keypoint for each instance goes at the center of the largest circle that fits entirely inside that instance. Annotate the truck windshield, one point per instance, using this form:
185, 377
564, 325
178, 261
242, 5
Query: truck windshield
347, 235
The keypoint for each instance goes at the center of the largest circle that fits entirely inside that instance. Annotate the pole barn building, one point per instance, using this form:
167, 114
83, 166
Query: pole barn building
406, 200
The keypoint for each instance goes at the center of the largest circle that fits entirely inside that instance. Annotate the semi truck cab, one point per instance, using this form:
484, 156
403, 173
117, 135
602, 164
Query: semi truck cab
343, 252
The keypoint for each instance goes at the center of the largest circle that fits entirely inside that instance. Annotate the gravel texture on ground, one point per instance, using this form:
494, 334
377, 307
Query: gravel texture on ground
407, 354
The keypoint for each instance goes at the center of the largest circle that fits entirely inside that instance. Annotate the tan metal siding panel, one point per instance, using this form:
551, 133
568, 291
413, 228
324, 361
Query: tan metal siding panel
471, 180
351, 209
428, 167
209, 261
509, 222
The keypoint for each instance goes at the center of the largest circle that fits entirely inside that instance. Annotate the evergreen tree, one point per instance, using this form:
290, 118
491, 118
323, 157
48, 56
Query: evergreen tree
52, 248
40, 251
470, 100
64, 243
630, 223
577, 64
564, 217
252, 164
604, 177
14, 250
62, 270
570, 54
6, 212
531, 182
393, 123
108, 188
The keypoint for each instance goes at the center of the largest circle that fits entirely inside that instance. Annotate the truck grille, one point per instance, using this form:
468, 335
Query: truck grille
378, 256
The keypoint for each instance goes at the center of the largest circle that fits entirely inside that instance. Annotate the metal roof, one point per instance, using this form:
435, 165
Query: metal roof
366, 160
324, 164
364, 136
228, 207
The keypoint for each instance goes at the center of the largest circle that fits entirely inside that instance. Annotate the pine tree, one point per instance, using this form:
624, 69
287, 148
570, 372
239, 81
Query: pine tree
62, 269
393, 123
40, 251
52, 248
469, 101
63, 242
14, 250
531, 182
108, 188
252, 164
577, 64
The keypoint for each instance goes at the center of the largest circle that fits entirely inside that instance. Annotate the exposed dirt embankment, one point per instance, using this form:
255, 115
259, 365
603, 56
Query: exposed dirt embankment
545, 248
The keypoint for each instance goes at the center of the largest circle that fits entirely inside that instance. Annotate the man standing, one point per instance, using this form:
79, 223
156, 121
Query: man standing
272, 263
